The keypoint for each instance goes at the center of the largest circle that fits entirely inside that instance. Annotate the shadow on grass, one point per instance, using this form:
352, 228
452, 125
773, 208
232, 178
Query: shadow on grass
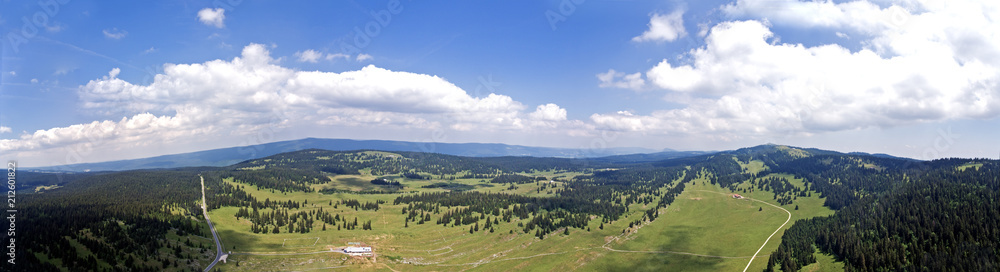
355, 183
679, 238
450, 186
241, 242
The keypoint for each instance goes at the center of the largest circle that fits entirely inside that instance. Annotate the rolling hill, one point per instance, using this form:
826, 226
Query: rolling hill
231, 155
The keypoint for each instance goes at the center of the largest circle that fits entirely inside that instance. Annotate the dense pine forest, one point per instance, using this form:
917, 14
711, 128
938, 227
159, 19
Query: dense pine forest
942, 220
122, 219
892, 214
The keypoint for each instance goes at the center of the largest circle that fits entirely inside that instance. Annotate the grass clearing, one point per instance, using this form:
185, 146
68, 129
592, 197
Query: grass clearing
300, 242
974, 165
824, 263
43, 188
706, 220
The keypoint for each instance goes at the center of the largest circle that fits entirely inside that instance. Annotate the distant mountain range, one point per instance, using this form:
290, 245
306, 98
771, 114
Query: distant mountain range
232, 155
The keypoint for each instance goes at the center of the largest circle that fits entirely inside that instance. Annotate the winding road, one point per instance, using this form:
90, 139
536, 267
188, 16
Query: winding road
769, 237
772, 234
218, 245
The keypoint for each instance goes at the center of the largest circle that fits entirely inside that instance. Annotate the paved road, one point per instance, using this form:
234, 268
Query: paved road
218, 245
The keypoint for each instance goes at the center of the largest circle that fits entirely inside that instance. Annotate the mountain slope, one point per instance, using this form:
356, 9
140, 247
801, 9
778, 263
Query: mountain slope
228, 156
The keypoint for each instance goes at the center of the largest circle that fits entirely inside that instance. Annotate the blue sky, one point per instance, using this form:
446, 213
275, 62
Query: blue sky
86, 81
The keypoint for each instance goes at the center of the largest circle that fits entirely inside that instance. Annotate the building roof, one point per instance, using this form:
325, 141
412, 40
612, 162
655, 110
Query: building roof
357, 249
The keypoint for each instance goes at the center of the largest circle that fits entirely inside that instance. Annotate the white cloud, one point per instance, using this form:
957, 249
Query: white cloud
938, 65
309, 56
314, 56
610, 79
549, 112
664, 27
12, 73
115, 33
132, 130
624, 121
212, 17
363, 57
150, 50
335, 56
4, 129
861, 15
62, 70
34, 80
250, 93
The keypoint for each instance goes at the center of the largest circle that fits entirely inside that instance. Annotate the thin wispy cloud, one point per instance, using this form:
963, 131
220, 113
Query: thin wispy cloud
309, 56
115, 33
364, 57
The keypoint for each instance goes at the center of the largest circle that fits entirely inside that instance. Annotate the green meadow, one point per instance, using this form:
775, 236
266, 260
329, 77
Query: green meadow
705, 229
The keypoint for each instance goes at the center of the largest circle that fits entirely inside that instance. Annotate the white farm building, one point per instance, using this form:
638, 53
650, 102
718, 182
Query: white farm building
358, 251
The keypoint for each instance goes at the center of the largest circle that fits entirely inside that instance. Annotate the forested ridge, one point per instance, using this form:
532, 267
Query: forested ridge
121, 218
381, 163
942, 220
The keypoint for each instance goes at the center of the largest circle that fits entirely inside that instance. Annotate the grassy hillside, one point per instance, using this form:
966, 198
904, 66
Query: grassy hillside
701, 227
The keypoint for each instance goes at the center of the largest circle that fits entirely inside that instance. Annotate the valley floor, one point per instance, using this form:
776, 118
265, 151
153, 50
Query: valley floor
705, 229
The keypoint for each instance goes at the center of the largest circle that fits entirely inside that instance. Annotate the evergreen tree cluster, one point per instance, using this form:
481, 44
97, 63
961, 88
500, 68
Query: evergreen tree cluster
379, 164
513, 178
283, 180
384, 182
119, 217
944, 219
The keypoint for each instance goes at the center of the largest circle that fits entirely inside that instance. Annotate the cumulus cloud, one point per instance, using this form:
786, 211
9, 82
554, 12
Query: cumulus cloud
549, 112
4, 129
624, 121
136, 127
861, 15
212, 17
309, 56
615, 79
664, 27
935, 63
115, 33
223, 98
